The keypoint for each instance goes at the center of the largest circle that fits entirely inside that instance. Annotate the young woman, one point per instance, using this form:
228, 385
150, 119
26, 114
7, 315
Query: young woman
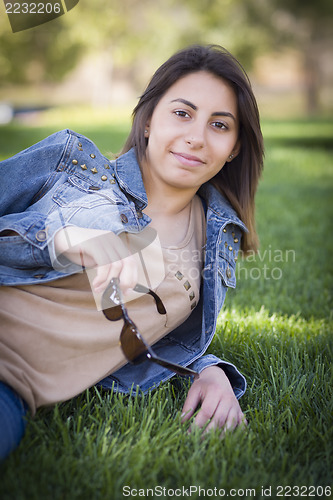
160, 226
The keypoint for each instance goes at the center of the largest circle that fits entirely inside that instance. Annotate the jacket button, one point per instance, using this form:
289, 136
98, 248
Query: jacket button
124, 219
92, 156
228, 273
139, 214
41, 235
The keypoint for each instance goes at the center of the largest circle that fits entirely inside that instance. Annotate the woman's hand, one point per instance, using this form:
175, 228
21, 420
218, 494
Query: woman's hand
219, 406
102, 250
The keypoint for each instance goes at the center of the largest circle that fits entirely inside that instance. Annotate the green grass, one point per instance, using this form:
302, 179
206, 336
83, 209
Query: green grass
276, 327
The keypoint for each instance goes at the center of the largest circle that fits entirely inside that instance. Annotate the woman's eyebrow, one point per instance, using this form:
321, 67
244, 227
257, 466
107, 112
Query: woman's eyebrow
224, 113
187, 103
195, 108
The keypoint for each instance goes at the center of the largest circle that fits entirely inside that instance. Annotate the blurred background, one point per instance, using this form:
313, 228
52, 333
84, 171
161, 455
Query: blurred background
93, 62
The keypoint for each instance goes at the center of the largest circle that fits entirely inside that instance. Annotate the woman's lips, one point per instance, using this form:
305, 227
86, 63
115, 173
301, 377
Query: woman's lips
188, 160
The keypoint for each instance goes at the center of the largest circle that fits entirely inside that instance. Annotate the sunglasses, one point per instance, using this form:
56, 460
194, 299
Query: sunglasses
132, 343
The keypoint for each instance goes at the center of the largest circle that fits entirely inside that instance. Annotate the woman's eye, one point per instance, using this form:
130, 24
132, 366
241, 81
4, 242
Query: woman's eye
220, 125
182, 113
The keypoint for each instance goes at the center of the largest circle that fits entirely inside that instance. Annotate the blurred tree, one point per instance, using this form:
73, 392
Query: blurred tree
305, 25
308, 25
35, 55
226, 22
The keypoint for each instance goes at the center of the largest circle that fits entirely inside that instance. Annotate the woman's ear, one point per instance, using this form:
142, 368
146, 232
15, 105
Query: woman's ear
234, 152
147, 130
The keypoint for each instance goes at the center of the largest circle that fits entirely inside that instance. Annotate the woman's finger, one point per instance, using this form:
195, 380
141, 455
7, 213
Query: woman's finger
128, 276
192, 400
104, 274
207, 410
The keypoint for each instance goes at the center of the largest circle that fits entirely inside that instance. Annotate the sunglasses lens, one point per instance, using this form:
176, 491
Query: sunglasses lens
113, 313
132, 344
160, 306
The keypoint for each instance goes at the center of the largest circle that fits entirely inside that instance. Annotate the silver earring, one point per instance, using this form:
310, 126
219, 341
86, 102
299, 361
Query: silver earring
231, 157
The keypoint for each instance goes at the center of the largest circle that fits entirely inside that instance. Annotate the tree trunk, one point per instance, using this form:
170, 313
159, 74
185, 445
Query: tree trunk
312, 79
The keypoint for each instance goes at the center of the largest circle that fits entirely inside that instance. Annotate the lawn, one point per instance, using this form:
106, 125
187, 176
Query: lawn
276, 327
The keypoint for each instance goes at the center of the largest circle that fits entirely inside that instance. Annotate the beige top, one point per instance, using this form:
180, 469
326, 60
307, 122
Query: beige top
54, 342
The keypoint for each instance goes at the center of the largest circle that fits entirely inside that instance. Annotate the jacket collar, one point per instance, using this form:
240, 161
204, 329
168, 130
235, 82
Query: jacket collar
128, 174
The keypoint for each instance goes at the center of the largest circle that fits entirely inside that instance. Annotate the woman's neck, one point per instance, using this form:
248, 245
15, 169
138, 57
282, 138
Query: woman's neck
169, 209
164, 199
167, 206
170, 223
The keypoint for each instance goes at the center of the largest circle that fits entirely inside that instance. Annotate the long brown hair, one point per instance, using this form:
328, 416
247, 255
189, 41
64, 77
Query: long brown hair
238, 179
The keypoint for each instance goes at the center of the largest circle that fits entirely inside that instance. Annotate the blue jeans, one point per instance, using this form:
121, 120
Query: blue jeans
12, 422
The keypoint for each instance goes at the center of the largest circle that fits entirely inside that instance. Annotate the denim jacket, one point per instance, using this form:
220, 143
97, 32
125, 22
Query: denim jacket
65, 180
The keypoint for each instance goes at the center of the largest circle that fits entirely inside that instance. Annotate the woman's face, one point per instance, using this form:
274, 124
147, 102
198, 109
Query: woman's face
192, 132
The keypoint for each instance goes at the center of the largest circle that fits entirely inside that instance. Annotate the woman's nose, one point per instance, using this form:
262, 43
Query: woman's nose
195, 136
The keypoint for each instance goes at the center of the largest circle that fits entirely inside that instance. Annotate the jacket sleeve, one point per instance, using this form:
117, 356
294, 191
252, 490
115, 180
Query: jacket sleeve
24, 179
236, 379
